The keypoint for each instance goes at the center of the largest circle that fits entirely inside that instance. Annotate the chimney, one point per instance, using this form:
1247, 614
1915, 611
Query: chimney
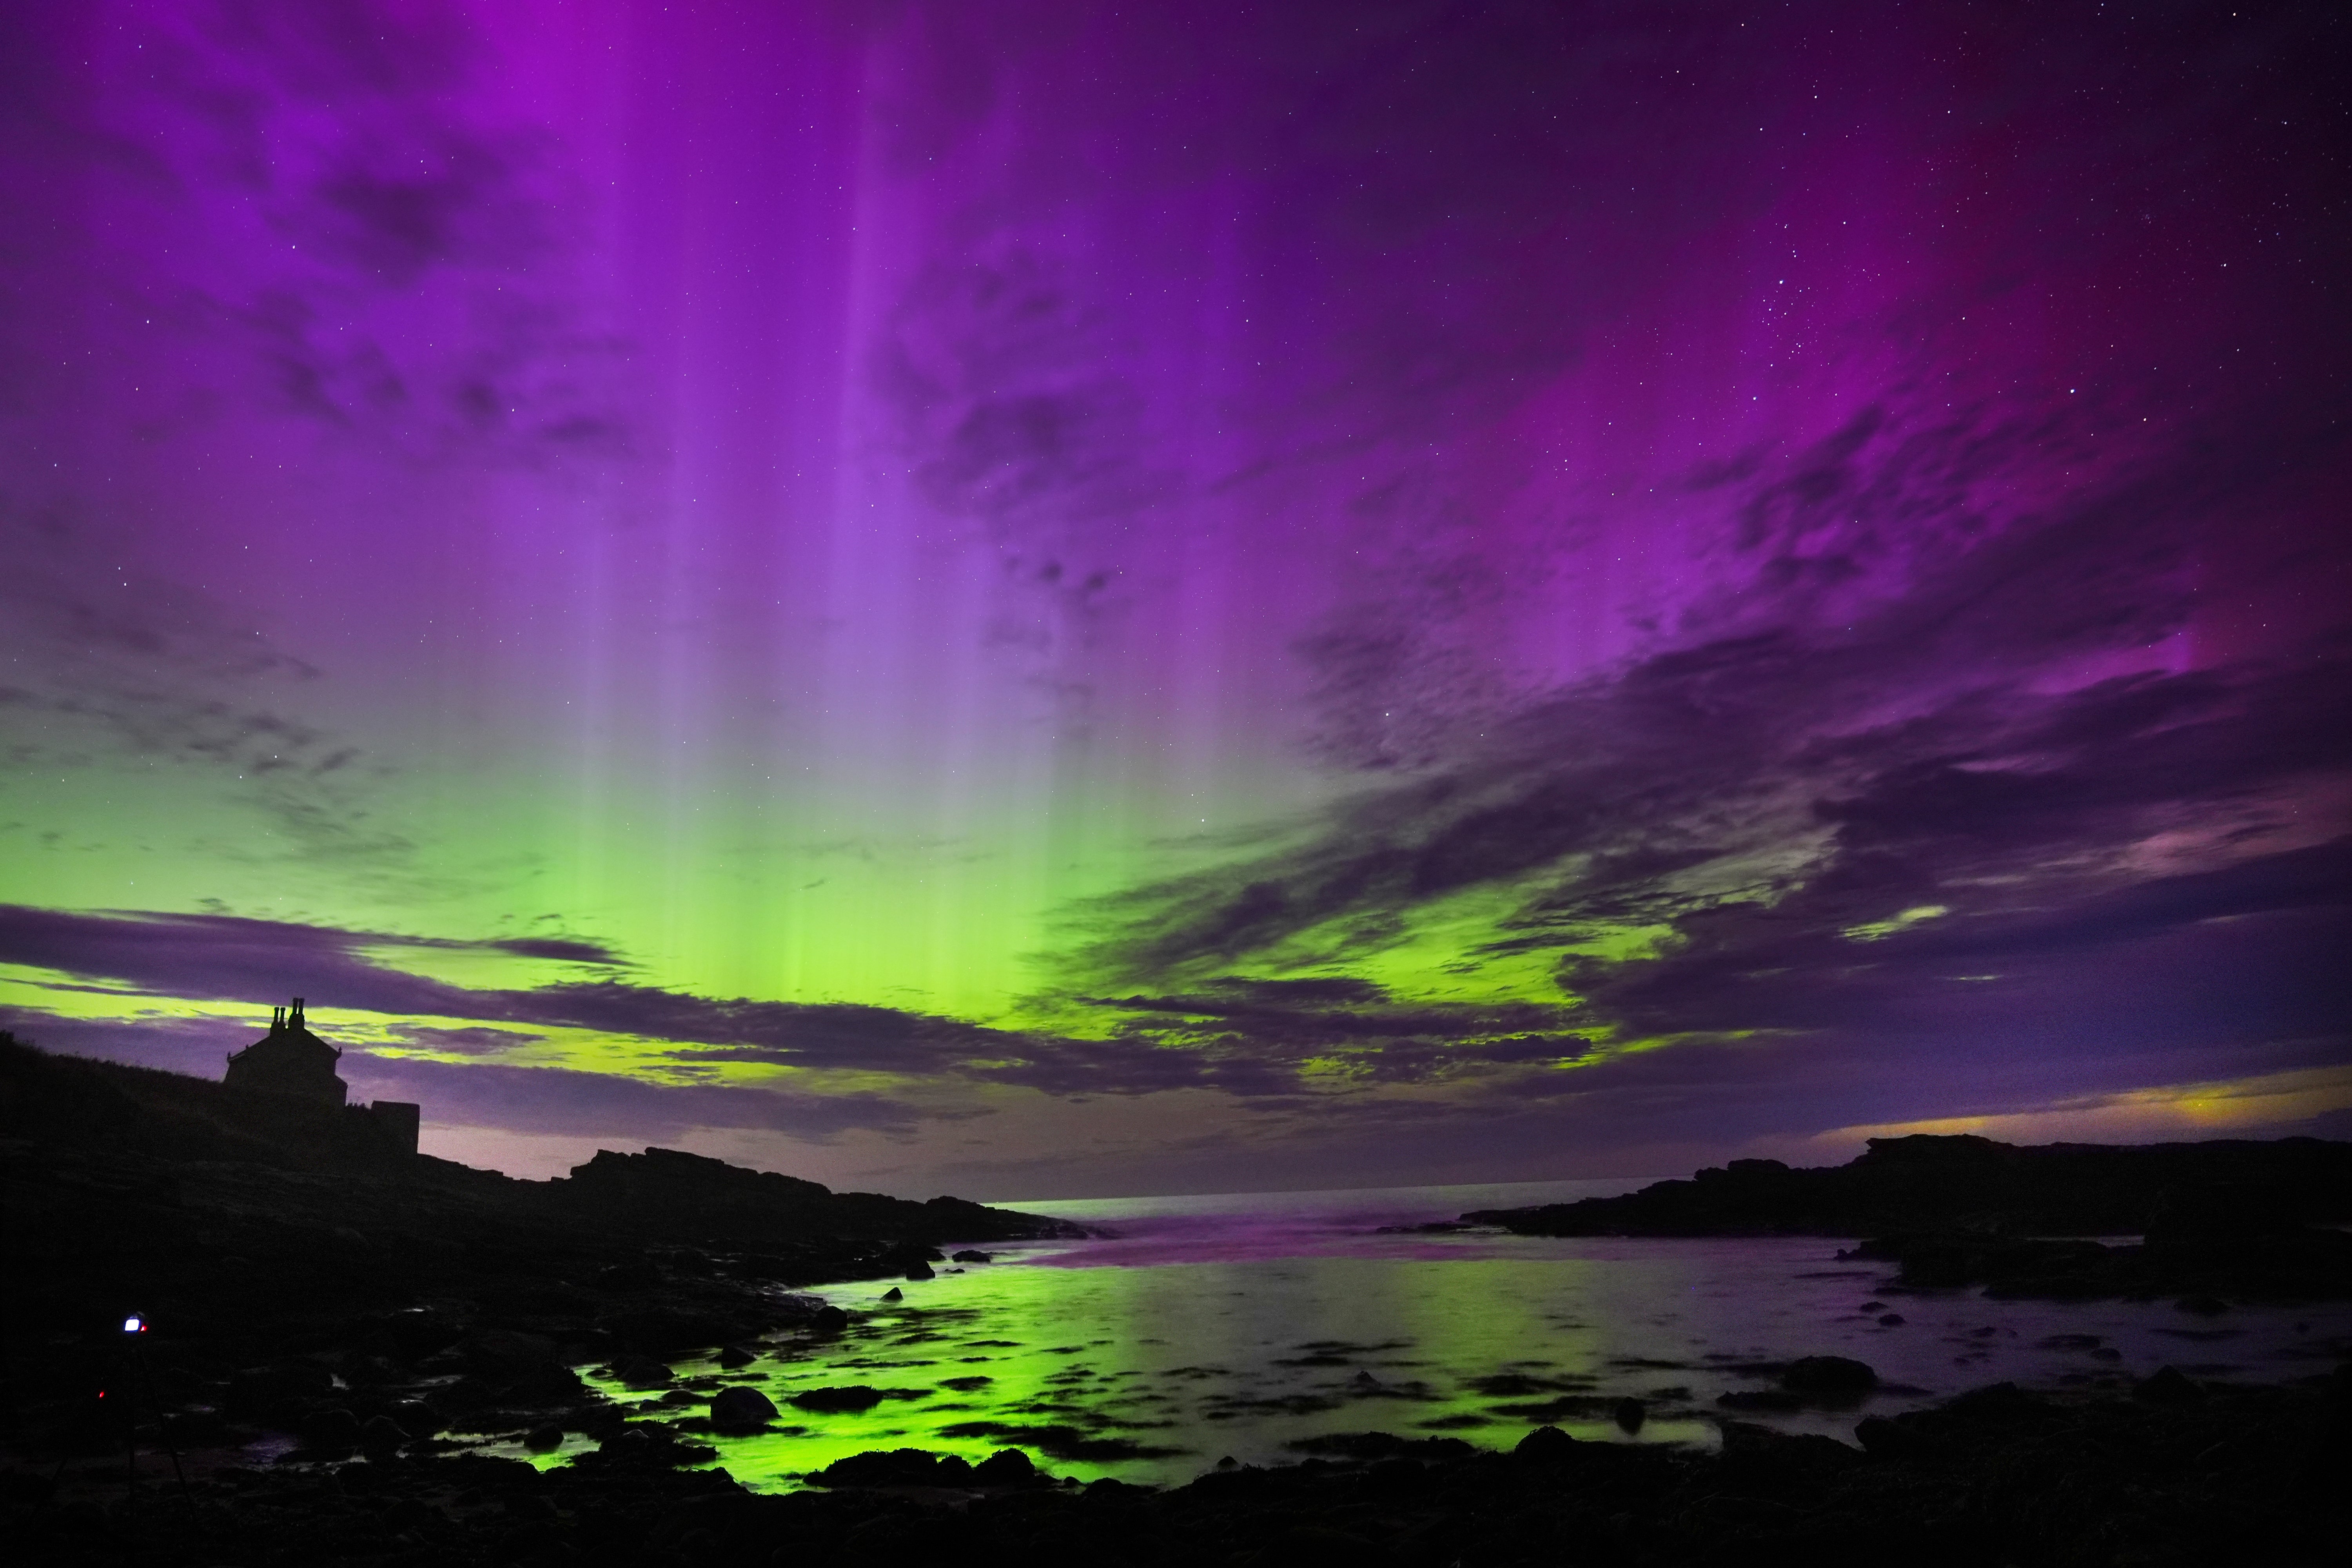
295, 1021
278, 1020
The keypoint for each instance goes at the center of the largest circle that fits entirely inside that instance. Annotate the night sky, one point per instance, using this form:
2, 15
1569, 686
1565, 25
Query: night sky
1037, 599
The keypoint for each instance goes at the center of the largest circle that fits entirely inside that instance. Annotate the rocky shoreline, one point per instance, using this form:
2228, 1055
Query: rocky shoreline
321, 1349
2180, 1472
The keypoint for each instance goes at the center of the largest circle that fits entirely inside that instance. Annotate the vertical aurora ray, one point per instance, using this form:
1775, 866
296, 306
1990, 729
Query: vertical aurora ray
1532, 524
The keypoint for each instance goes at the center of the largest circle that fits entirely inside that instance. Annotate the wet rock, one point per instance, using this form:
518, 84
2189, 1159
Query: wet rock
416, 1417
1828, 1376
543, 1439
381, 1437
540, 1386
972, 1255
853, 1397
1006, 1467
643, 1372
920, 1270
644, 1447
829, 1319
892, 1467
741, 1409
332, 1431
894, 1294
736, 1355
1760, 1457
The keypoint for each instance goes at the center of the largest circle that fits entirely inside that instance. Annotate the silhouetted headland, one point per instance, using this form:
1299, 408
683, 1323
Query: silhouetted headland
2232, 1217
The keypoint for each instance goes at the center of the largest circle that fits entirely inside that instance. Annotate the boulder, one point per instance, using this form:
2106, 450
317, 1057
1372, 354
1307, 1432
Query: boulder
416, 1417
921, 1271
736, 1355
1006, 1467
829, 1321
894, 1294
891, 1468
855, 1396
642, 1371
543, 1439
381, 1437
332, 1431
971, 1254
1828, 1374
1545, 1444
741, 1409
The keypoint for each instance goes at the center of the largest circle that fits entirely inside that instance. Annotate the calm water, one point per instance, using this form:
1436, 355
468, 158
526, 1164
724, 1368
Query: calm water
1243, 1325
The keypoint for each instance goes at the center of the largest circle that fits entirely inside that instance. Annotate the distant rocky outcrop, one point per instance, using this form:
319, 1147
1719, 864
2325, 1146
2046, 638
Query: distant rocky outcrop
1924, 1183
2231, 1217
688, 1198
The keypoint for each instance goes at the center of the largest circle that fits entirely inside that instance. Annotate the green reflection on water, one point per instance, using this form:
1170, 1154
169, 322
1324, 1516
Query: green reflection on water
1151, 1374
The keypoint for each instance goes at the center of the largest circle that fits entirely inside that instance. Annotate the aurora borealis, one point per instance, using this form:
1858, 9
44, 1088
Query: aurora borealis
1034, 600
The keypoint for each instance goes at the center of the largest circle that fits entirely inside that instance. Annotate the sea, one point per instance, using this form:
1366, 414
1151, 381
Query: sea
1263, 1328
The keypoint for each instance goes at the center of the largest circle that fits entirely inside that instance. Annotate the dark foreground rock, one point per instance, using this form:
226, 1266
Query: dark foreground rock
293, 1289
2216, 1220
2220, 1474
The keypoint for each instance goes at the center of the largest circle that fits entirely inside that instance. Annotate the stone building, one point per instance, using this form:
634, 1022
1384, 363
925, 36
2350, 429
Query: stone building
291, 1064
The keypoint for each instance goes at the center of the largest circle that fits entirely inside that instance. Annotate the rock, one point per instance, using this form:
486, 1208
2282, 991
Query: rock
416, 1417
736, 1355
921, 1271
1629, 1414
333, 1431
894, 1294
642, 1371
971, 1254
1759, 1455
1891, 1319
856, 1397
829, 1321
741, 1409
1006, 1468
644, 1447
381, 1437
893, 1468
1828, 1374
1544, 1444
549, 1383
2202, 1305
2167, 1386
543, 1439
